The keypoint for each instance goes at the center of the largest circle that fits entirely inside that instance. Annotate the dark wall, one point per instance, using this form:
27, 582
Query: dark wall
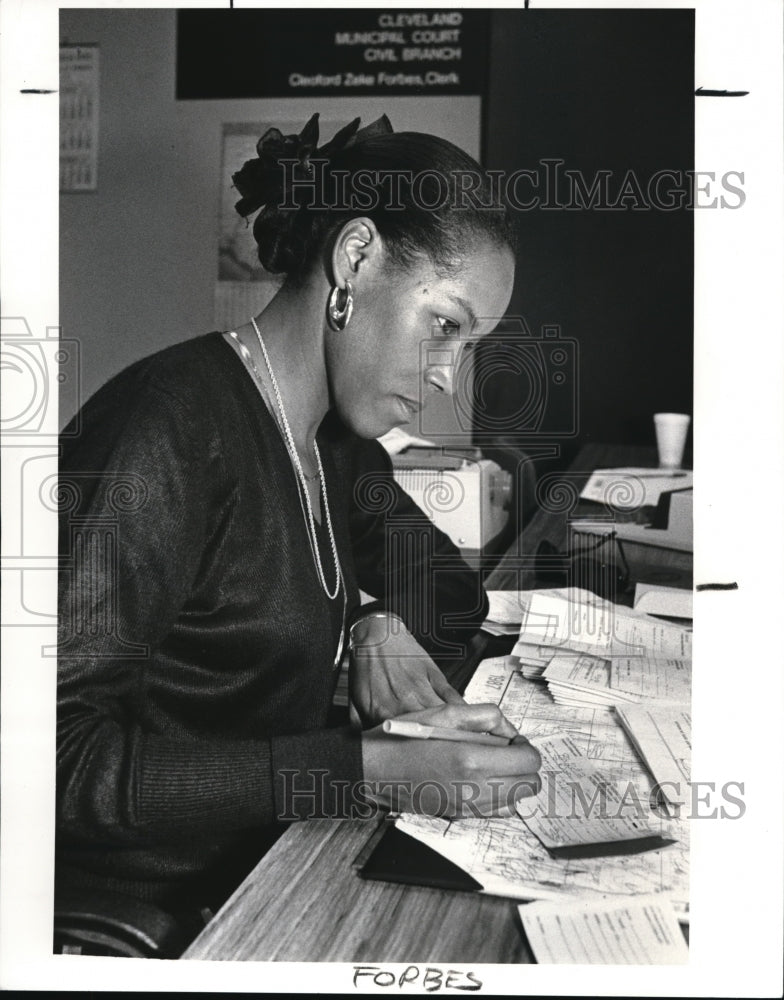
602, 91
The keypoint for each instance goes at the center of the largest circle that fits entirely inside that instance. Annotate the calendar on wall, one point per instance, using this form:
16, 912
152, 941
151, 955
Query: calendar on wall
78, 117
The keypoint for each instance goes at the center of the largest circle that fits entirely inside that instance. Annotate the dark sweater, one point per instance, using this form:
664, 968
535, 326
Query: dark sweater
196, 644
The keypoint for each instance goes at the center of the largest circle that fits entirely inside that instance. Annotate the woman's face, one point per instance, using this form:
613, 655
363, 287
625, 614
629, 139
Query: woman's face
381, 370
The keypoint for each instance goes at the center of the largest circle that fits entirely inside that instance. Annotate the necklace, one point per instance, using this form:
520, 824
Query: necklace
307, 510
264, 393
302, 479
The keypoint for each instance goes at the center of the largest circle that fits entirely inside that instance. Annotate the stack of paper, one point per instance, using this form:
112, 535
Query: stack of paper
578, 620
609, 715
579, 679
584, 680
532, 659
596, 653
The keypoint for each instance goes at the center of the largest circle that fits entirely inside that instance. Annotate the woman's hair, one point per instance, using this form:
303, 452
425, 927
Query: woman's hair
424, 194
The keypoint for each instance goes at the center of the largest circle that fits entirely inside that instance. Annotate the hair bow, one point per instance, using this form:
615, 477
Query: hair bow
261, 180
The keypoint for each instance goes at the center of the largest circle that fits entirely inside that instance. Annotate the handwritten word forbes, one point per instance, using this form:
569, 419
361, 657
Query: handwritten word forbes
429, 979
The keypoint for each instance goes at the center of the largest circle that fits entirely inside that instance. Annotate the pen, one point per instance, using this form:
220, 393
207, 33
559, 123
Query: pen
419, 731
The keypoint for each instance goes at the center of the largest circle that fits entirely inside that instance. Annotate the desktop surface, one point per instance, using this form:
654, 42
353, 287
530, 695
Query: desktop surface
305, 902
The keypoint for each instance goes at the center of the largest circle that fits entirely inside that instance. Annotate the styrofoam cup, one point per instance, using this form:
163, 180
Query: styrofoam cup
671, 431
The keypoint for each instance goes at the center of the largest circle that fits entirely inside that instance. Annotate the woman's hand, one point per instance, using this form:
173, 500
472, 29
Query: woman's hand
442, 778
390, 673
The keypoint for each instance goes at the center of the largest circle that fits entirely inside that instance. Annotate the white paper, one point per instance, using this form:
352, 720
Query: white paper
645, 678
582, 677
531, 709
662, 736
582, 802
642, 931
598, 626
531, 661
509, 607
630, 488
671, 602
506, 858
617, 680
494, 628
505, 607
397, 439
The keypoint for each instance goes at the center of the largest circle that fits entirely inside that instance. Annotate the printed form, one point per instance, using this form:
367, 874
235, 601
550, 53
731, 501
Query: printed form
585, 802
507, 858
586, 679
592, 625
661, 734
638, 932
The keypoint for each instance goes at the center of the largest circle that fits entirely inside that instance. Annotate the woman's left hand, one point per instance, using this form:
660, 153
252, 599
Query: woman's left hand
391, 674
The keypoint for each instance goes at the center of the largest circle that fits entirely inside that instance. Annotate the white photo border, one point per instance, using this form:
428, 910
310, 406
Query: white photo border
736, 928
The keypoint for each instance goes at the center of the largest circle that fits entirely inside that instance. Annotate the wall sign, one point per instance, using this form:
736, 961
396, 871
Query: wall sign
330, 52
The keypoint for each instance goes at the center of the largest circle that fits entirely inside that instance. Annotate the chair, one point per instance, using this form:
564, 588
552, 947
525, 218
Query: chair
106, 922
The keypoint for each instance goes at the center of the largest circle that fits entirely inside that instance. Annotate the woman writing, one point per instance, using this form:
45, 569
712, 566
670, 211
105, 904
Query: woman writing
201, 631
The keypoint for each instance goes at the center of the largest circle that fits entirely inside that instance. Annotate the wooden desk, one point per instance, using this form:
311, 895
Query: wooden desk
304, 901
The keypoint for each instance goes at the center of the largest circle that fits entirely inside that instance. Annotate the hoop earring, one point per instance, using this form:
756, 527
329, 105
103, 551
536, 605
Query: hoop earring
338, 315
